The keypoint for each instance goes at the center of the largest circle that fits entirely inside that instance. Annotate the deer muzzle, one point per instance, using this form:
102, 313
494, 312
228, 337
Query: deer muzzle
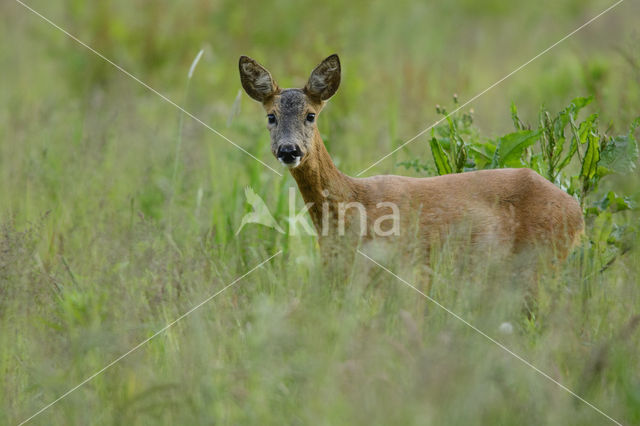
289, 154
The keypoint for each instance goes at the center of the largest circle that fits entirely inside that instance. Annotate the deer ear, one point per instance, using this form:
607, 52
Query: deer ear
256, 80
324, 80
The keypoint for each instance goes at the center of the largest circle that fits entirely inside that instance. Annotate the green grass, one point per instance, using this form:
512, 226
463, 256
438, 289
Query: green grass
100, 246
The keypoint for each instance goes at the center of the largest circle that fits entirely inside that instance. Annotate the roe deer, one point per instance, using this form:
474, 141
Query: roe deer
511, 208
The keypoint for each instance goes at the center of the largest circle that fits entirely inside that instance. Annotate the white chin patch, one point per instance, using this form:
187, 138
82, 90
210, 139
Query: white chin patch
290, 165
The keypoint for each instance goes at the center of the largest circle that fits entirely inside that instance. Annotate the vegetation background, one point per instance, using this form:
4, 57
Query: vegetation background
118, 214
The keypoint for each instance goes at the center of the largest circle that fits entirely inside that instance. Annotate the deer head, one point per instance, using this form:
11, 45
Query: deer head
291, 113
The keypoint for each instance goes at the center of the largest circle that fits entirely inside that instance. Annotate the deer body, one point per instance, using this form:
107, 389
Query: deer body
509, 208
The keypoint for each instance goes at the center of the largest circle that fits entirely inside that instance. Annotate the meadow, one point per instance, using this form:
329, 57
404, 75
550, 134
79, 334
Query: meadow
118, 214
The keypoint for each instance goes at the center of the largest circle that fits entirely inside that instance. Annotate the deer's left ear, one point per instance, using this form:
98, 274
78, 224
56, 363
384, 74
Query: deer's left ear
324, 80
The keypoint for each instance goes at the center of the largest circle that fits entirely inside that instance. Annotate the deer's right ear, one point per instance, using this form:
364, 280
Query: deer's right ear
256, 80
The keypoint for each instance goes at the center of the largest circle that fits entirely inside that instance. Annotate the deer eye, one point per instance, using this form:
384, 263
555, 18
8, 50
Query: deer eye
311, 117
271, 118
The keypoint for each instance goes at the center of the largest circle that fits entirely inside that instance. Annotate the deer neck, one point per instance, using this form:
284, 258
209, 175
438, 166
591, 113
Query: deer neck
320, 181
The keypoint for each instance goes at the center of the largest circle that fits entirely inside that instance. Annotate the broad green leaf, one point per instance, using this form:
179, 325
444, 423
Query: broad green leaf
580, 133
569, 114
603, 171
483, 149
620, 154
460, 155
566, 116
591, 123
510, 148
445, 143
440, 157
591, 158
614, 202
580, 102
482, 153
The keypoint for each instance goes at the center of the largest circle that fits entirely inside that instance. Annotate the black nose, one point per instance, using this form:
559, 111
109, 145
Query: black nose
289, 153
